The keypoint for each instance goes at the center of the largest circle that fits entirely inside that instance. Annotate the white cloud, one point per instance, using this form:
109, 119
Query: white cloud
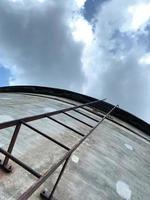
50, 43
37, 43
80, 3
140, 15
111, 62
82, 30
145, 59
42, 1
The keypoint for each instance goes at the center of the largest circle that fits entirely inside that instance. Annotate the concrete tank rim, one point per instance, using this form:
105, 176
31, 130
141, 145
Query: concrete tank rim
102, 106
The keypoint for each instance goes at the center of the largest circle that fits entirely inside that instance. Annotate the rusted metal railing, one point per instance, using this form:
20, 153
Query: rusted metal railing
24, 121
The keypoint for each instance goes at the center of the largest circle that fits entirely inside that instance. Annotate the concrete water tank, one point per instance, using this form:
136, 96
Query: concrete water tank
75, 146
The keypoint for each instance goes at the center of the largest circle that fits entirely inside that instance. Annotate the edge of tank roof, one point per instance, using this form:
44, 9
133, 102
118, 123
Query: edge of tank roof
103, 106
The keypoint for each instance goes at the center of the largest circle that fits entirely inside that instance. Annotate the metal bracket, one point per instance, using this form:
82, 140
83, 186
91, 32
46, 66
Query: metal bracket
45, 195
7, 168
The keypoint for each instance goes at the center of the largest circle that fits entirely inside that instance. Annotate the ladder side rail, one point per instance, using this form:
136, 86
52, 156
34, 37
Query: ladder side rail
49, 172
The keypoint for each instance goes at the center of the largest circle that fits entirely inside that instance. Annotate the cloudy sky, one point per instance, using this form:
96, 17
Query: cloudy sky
96, 47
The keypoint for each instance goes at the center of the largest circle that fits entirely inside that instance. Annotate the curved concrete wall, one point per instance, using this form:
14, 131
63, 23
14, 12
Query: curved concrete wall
103, 106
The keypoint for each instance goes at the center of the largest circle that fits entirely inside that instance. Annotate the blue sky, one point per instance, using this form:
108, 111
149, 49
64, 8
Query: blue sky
91, 7
4, 76
99, 48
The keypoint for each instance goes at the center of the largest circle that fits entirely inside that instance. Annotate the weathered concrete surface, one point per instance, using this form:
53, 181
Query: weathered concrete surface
112, 164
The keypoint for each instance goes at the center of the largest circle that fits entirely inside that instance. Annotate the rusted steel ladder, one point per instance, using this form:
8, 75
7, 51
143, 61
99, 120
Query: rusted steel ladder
64, 160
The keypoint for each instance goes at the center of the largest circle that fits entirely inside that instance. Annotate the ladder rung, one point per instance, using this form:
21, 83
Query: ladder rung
78, 119
81, 134
86, 115
46, 136
19, 162
93, 112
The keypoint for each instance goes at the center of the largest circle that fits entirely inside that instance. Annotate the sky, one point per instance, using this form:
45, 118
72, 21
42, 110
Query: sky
96, 47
